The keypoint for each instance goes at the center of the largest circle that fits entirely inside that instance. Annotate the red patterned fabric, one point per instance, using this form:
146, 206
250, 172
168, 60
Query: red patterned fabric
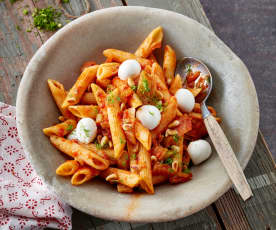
25, 202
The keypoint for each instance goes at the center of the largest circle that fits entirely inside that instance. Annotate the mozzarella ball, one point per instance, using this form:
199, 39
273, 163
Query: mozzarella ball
73, 135
199, 151
185, 100
86, 130
129, 69
149, 116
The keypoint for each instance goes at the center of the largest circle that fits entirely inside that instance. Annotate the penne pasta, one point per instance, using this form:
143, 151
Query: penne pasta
117, 133
121, 56
177, 158
124, 189
114, 175
176, 84
143, 135
157, 72
59, 94
199, 116
78, 89
195, 91
145, 170
84, 174
103, 82
67, 168
169, 64
99, 95
82, 111
134, 101
61, 129
167, 117
152, 42
133, 157
128, 124
88, 99
79, 153
197, 109
107, 70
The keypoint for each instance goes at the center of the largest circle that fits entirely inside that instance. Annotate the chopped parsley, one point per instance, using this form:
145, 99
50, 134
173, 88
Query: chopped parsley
118, 98
175, 138
47, 19
168, 161
69, 127
110, 99
96, 109
25, 12
208, 79
29, 30
171, 170
13, 1
86, 131
186, 170
122, 141
145, 85
133, 87
151, 113
65, 1
98, 145
133, 156
159, 106
189, 68
18, 27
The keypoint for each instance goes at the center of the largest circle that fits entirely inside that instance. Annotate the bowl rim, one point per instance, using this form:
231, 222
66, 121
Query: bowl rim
25, 143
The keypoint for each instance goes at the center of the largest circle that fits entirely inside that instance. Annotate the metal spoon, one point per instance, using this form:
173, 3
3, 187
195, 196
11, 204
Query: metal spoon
215, 132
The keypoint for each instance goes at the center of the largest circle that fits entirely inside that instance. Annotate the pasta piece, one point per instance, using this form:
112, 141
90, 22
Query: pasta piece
169, 64
124, 189
99, 94
145, 170
180, 178
128, 124
199, 116
176, 84
107, 70
59, 94
78, 89
103, 82
88, 99
114, 175
143, 135
152, 42
61, 118
84, 174
61, 129
117, 133
87, 64
167, 117
67, 168
79, 153
123, 161
159, 179
162, 87
157, 72
123, 87
134, 101
197, 109
178, 113
133, 159
195, 91
121, 56
82, 111
177, 158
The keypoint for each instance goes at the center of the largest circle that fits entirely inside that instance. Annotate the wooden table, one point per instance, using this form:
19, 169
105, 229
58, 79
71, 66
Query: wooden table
229, 212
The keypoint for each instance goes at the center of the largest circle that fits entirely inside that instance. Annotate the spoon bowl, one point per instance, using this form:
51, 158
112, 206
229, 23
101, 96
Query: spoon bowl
184, 68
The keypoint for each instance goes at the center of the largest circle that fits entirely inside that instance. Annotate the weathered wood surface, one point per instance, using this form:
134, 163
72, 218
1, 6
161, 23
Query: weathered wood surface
17, 47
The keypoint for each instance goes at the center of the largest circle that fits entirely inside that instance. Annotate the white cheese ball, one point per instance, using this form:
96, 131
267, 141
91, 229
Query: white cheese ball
199, 151
86, 130
185, 100
73, 135
129, 69
149, 116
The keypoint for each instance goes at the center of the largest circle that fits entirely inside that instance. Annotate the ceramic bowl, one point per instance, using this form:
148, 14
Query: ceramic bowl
60, 58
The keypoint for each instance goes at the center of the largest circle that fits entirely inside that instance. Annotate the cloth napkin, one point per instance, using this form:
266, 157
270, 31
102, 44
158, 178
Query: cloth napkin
25, 201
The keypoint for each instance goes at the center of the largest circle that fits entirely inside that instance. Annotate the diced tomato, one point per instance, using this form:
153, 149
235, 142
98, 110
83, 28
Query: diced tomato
162, 169
159, 152
61, 132
185, 125
180, 178
198, 130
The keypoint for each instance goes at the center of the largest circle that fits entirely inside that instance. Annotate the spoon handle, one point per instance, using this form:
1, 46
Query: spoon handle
227, 157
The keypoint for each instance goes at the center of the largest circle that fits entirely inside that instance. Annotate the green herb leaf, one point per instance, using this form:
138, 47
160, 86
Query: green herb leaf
65, 1
25, 12
168, 161
186, 170
189, 68
69, 127
145, 85
18, 27
133, 87
118, 98
98, 145
29, 30
110, 99
122, 141
151, 113
175, 138
171, 170
13, 1
47, 19
133, 156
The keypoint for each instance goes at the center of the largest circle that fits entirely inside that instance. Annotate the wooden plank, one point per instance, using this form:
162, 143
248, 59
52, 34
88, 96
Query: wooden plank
259, 211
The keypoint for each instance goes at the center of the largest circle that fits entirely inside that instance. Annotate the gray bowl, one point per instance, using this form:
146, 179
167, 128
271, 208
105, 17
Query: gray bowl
60, 58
